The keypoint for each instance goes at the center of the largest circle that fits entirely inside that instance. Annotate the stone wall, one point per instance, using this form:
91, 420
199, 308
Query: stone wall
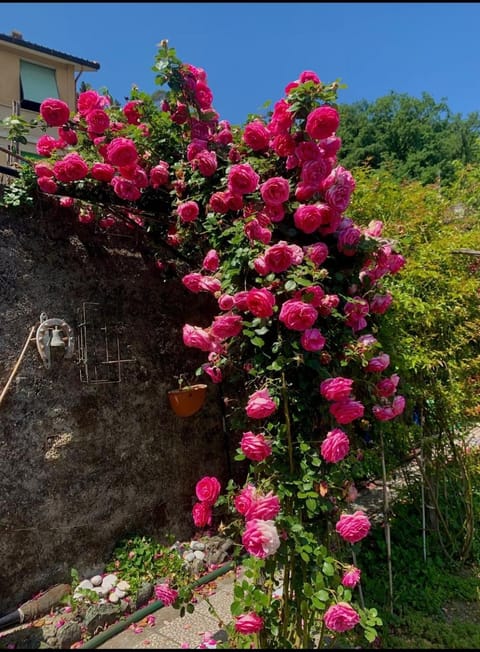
83, 464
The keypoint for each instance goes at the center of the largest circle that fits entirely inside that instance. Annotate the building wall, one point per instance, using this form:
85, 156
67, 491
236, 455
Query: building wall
10, 90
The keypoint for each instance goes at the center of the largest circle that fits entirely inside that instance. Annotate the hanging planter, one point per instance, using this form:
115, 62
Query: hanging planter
187, 400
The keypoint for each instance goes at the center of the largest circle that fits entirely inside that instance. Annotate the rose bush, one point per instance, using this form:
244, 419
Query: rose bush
255, 216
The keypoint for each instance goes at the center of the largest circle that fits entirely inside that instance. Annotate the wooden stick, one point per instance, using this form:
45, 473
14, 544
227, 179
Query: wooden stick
17, 364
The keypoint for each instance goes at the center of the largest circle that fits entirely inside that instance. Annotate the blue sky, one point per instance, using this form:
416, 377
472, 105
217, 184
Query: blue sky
252, 50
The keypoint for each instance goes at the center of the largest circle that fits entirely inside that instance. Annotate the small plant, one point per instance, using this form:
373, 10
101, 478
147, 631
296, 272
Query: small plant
139, 559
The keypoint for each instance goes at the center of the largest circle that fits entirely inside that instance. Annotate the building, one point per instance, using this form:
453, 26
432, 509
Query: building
30, 74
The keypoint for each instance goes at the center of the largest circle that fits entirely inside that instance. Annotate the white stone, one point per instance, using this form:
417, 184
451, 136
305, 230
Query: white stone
199, 554
197, 545
119, 592
96, 580
85, 584
114, 597
109, 581
189, 556
123, 585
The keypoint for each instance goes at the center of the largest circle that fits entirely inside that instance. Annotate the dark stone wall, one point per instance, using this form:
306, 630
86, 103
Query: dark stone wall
83, 464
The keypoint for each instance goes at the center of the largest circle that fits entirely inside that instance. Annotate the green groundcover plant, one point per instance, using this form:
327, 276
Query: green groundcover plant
255, 216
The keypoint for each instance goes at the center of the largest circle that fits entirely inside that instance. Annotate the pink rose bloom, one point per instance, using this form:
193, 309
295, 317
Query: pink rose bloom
202, 514
203, 95
208, 489
164, 593
130, 111
336, 389
356, 311
381, 303
353, 527
71, 168
46, 145
260, 302
327, 304
245, 500
226, 302
159, 175
347, 410
255, 231
260, 538
255, 447
196, 282
312, 294
275, 191
314, 172
388, 412
341, 617
308, 217
214, 373
198, 338
242, 179
55, 112
297, 315
274, 212
261, 266
317, 253
98, 121
125, 189
395, 263
68, 136
348, 240
250, 623
338, 188
387, 386
122, 152
211, 262
218, 203
306, 151
256, 136
225, 326
322, 122
260, 405
265, 508
67, 202
374, 229
365, 342
43, 170
47, 184
188, 211
351, 577
89, 100
312, 340
102, 172
379, 363
309, 75
240, 300
335, 446
205, 162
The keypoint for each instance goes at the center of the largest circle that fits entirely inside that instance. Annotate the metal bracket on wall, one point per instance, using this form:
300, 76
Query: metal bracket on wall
53, 332
98, 347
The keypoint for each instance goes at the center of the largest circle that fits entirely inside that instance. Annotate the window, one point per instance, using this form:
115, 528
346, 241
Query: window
36, 84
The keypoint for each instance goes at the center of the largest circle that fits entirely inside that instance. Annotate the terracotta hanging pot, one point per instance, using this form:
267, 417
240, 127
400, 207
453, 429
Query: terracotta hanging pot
187, 400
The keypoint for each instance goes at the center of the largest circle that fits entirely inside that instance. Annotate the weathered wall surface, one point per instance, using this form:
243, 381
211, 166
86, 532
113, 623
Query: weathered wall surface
83, 464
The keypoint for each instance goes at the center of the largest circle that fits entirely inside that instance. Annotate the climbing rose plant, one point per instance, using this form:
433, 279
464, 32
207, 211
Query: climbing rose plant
260, 213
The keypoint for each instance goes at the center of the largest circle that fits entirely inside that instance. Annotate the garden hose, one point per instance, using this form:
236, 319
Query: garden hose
100, 638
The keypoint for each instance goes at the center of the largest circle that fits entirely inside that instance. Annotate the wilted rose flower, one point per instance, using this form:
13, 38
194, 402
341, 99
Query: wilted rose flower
335, 446
164, 593
208, 489
341, 617
351, 577
55, 112
250, 623
260, 538
353, 527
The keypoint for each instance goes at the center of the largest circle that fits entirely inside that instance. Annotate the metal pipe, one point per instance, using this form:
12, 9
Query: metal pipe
100, 638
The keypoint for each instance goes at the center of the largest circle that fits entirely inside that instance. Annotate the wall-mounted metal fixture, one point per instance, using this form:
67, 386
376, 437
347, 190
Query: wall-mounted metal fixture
56, 333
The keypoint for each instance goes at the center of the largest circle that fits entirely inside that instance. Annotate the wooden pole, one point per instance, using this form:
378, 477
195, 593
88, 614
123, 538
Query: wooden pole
17, 364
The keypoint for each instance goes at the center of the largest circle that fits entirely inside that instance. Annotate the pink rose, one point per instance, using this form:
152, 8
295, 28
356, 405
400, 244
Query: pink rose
255, 447
327, 304
208, 489
218, 203
335, 447
336, 389
265, 507
314, 172
202, 514
379, 363
245, 500
308, 217
242, 179
341, 617
55, 112
338, 187
312, 340
130, 111
353, 527
198, 338
322, 122
260, 538
387, 386
388, 412
205, 162
211, 261
71, 168
203, 95
102, 172
89, 100
214, 373
47, 184
226, 302
348, 240
356, 310
275, 191
317, 253
68, 135
347, 410
125, 189
250, 623
260, 302
98, 121
122, 152
43, 170
256, 135
297, 315
225, 326
188, 211
164, 593
159, 175
260, 405
381, 303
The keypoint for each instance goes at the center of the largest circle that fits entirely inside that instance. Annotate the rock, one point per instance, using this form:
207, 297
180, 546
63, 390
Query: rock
144, 593
189, 556
100, 616
123, 586
109, 581
118, 592
68, 634
197, 545
96, 580
199, 554
84, 584
114, 597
